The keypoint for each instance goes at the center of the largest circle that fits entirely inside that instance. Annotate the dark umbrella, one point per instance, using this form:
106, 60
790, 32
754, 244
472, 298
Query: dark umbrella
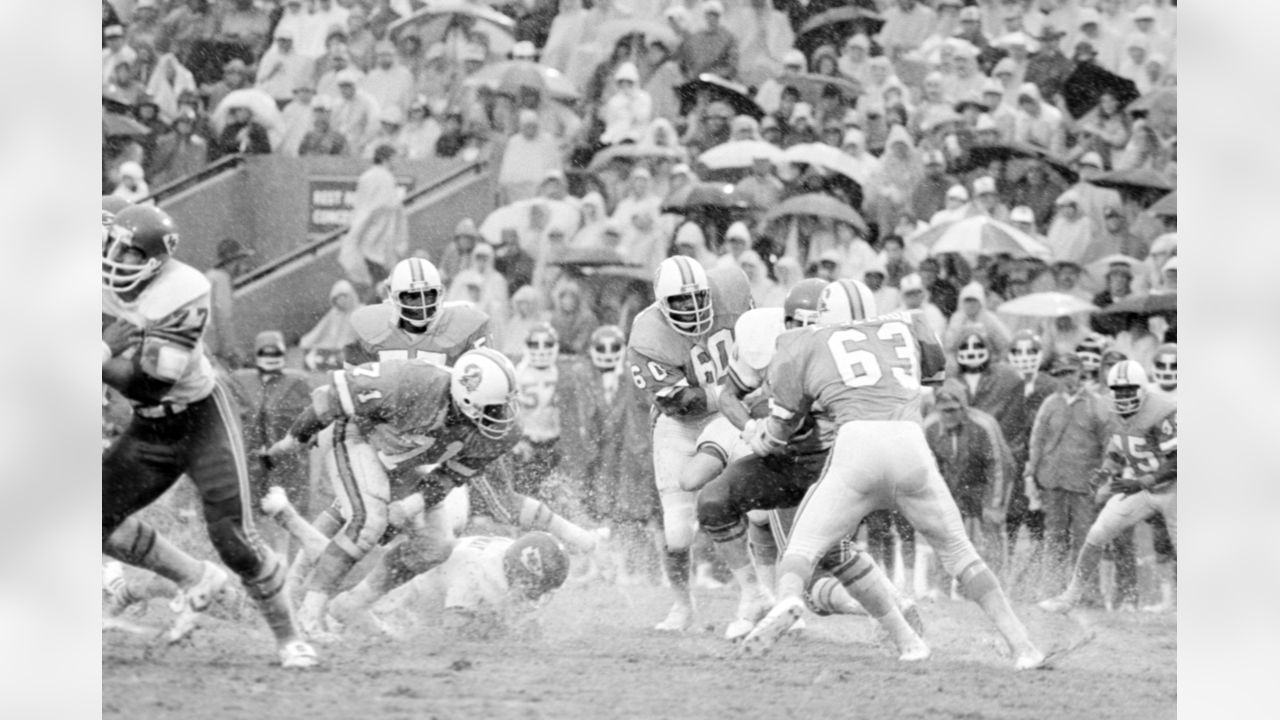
737, 96
812, 85
980, 156
818, 205
1085, 85
594, 257
832, 26
116, 125
706, 196
1142, 185
1166, 206
1117, 316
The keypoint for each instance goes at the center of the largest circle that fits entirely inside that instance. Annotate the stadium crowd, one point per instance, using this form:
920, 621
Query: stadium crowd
943, 152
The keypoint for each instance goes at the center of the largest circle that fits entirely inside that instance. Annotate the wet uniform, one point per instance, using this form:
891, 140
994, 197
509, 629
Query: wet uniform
1146, 443
456, 328
192, 427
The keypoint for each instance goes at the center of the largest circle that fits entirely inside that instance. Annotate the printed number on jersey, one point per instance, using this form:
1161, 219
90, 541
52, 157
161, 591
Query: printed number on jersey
861, 367
430, 358
1143, 459
712, 363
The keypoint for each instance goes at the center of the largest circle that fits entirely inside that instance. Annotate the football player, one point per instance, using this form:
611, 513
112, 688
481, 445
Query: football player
1139, 477
744, 482
1164, 369
408, 431
868, 375
537, 374
1090, 352
487, 584
678, 350
154, 311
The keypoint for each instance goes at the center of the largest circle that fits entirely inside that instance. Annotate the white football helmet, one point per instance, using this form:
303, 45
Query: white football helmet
607, 345
1090, 353
415, 288
1026, 353
846, 300
1164, 367
683, 293
1128, 383
972, 353
542, 345
484, 390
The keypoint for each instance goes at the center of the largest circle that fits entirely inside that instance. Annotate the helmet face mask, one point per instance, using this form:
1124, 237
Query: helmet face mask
972, 353
606, 348
138, 243
1128, 384
683, 293
1164, 367
1026, 355
415, 288
801, 307
483, 388
542, 346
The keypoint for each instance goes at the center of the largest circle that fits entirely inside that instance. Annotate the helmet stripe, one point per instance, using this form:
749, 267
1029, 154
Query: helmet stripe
858, 312
686, 272
415, 271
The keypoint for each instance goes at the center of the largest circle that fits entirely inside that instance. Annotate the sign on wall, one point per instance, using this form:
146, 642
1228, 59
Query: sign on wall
329, 202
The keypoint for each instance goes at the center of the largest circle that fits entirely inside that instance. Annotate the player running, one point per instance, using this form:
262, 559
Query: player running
867, 374
1139, 473
678, 351
154, 312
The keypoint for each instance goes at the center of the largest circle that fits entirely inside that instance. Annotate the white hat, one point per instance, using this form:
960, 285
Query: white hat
1029, 90
474, 53
391, 114
970, 13
1014, 39
528, 116
1069, 197
738, 231
1006, 65
1171, 264
858, 40
986, 122
992, 85
794, 57
854, 136
983, 185
627, 71
285, 32
957, 192
690, 234
935, 157
348, 76
113, 31
1022, 214
1144, 12
714, 6
1088, 16
1092, 159
911, 283
802, 109
129, 168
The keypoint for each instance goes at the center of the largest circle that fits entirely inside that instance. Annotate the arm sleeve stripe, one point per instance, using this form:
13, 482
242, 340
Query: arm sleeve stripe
183, 339
780, 412
344, 393
714, 450
667, 391
1170, 444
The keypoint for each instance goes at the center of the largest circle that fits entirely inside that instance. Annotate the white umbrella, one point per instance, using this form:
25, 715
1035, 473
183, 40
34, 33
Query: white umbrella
1046, 304
1100, 268
516, 216
739, 154
826, 156
979, 235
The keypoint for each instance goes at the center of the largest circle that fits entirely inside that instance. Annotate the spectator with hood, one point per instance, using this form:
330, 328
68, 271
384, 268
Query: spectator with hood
527, 158
457, 253
323, 344
974, 315
628, 110
572, 318
711, 50
764, 38
1071, 234
526, 314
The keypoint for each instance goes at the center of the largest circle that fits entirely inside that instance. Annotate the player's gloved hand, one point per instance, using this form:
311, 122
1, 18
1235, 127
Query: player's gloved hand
282, 447
762, 442
119, 335
1126, 486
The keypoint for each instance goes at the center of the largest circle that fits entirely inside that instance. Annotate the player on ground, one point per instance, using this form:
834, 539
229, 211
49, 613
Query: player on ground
488, 583
408, 430
678, 351
868, 375
154, 311
1140, 473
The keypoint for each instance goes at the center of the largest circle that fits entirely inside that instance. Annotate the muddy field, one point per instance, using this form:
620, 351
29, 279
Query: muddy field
598, 658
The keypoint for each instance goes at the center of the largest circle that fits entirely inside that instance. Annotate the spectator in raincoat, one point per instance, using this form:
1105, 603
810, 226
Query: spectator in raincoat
973, 313
526, 314
323, 344
628, 110
572, 319
764, 37
527, 158
1071, 234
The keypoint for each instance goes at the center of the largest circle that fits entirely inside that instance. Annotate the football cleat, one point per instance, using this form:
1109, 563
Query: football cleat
772, 627
1029, 660
191, 602
916, 651
753, 605
298, 655
1060, 604
679, 619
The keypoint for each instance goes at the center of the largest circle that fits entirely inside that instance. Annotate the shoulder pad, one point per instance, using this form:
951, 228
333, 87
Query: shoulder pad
756, 335
372, 322
175, 286
464, 315
652, 337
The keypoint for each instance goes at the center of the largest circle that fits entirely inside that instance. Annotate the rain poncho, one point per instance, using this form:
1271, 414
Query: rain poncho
593, 220
526, 313
167, 82
764, 291
984, 320
571, 318
525, 164
379, 230
324, 343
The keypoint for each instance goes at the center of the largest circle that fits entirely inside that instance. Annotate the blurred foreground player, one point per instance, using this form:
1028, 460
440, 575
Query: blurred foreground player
154, 311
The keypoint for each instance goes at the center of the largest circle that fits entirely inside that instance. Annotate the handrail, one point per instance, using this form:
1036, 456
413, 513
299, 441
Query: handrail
316, 246
187, 181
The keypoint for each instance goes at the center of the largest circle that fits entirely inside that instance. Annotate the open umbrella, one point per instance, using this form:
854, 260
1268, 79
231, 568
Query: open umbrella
631, 151
517, 216
812, 85
979, 235
1143, 185
1087, 82
825, 156
1116, 316
980, 156
737, 96
510, 75
595, 257
1046, 304
705, 196
739, 154
117, 125
609, 33
431, 22
833, 26
818, 205
1166, 206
